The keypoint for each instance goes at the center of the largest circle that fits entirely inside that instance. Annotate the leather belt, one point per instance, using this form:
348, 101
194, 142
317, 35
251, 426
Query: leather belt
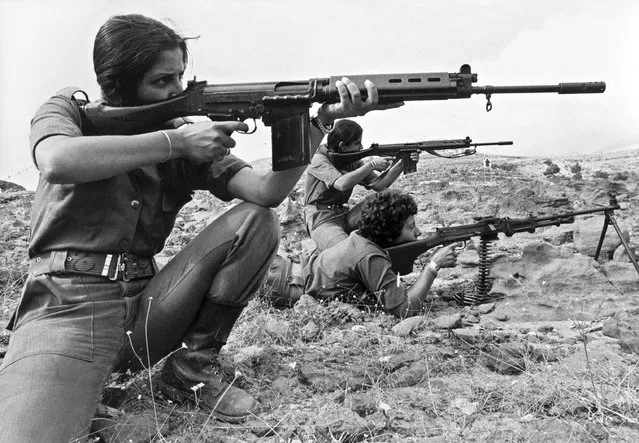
123, 267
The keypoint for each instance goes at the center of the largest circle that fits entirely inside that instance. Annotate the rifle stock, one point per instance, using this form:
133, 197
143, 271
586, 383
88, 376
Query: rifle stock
403, 256
274, 102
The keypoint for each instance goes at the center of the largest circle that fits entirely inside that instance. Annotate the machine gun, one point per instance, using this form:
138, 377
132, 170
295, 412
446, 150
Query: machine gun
487, 229
402, 151
284, 105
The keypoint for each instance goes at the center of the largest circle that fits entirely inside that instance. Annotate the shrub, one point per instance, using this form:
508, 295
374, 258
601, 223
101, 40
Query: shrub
552, 169
600, 174
508, 167
576, 168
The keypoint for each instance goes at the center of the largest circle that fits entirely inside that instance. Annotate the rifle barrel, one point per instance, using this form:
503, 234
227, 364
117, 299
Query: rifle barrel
492, 143
613, 207
561, 88
403, 256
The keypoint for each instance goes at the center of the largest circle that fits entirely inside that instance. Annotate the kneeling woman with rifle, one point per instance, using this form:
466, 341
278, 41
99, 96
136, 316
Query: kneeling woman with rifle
94, 301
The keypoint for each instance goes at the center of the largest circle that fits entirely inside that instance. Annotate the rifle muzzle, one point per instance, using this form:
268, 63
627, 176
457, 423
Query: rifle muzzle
582, 88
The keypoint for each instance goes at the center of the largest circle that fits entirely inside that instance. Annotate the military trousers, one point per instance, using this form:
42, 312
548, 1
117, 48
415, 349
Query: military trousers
71, 331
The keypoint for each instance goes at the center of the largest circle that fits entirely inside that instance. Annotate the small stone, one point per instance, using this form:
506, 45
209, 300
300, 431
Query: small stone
310, 332
407, 326
610, 328
448, 322
630, 345
359, 329
507, 359
486, 308
279, 330
468, 335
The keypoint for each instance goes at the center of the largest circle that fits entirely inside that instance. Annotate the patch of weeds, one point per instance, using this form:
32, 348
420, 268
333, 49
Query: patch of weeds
575, 168
508, 167
600, 174
552, 169
491, 399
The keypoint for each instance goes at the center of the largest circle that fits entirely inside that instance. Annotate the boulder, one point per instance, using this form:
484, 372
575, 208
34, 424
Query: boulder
621, 254
543, 271
587, 233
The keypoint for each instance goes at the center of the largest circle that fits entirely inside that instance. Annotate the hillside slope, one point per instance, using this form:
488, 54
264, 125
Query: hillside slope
553, 359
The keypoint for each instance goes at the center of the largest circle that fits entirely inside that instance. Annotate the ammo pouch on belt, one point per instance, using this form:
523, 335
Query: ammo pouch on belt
284, 281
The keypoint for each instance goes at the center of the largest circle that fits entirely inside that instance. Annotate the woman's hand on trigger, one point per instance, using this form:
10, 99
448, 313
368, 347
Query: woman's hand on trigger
446, 257
207, 141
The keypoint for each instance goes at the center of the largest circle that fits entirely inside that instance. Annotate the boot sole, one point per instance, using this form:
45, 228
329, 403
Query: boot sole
183, 397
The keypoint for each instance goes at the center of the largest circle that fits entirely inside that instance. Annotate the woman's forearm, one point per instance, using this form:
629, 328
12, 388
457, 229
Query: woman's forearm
416, 295
387, 178
67, 160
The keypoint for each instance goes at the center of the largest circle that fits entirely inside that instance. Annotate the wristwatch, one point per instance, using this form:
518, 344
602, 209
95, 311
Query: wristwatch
317, 122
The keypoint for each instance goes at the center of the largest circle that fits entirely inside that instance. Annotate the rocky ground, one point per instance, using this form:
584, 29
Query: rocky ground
554, 357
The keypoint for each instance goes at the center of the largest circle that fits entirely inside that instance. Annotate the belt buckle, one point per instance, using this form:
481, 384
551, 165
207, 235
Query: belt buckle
119, 266
126, 258
107, 266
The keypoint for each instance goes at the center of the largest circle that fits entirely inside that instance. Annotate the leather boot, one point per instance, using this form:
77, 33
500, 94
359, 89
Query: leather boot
194, 374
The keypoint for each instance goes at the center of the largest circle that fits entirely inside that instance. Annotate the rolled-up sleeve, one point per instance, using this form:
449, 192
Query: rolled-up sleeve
219, 174
212, 177
58, 116
322, 169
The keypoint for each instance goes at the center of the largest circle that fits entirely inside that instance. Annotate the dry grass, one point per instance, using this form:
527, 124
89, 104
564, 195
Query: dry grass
332, 373
380, 388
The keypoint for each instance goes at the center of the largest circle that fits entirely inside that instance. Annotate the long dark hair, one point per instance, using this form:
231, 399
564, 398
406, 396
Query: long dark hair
346, 131
384, 214
125, 47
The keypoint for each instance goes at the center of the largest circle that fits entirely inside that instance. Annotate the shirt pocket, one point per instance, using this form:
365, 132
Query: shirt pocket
171, 205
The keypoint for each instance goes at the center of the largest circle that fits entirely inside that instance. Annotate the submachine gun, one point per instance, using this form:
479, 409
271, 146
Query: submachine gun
284, 105
487, 229
402, 151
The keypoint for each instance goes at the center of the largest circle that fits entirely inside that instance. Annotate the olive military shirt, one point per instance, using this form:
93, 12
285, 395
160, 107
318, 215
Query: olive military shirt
351, 271
132, 212
320, 177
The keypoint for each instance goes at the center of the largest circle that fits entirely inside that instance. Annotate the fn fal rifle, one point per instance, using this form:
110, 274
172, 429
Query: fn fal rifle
402, 151
487, 229
284, 105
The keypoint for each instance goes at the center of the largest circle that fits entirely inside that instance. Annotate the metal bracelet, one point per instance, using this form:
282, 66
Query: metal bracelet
435, 266
319, 125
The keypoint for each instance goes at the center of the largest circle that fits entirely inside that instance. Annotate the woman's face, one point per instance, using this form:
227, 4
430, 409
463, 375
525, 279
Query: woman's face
354, 146
410, 232
164, 79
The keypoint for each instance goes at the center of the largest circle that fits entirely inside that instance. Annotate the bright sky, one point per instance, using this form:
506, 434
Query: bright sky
46, 45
